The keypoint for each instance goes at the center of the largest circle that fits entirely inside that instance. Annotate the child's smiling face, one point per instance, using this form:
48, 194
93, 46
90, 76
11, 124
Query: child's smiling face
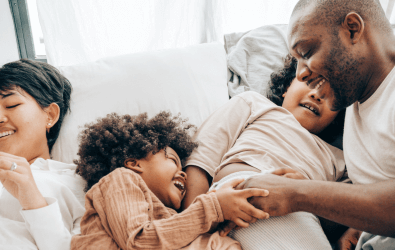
162, 172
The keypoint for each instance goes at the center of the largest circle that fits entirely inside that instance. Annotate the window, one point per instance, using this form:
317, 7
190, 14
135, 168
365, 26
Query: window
28, 31
31, 42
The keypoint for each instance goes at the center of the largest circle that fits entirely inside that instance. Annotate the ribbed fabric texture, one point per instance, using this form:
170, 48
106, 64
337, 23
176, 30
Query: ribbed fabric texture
299, 230
122, 212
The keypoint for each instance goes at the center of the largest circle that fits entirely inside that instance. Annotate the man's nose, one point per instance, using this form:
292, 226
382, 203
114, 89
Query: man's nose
302, 72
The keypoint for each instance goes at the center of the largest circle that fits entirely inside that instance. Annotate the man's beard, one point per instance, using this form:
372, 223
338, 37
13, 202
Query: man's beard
344, 76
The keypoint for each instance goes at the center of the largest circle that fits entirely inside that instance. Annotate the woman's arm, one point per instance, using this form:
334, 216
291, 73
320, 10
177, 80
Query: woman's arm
42, 216
47, 227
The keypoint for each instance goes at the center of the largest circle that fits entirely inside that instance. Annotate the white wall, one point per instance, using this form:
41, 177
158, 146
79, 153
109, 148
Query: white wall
8, 44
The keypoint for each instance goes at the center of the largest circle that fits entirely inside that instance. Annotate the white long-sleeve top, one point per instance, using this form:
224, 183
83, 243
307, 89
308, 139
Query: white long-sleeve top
50, 227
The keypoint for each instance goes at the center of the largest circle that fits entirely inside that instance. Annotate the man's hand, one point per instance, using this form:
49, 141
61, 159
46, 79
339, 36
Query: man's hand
235, 206
349, 239
280, 199
227, 226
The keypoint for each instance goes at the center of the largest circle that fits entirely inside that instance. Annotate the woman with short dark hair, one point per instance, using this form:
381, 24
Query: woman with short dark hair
42, 203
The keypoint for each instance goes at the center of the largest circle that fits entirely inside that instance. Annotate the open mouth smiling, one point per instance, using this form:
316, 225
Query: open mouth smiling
180, 185
6, 133
311, 108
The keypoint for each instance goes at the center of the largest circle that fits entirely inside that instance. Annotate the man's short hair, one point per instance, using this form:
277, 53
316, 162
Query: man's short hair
332, 12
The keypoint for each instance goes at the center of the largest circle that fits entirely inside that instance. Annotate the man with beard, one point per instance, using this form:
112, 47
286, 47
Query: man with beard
348, 47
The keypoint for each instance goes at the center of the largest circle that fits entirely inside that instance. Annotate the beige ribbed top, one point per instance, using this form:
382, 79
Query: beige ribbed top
122, 213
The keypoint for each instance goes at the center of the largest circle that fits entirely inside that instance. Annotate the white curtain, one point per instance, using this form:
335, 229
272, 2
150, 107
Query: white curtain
77, 31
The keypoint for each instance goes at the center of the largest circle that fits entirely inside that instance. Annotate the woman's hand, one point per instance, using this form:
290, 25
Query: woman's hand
20, 182
235, 206
289, 173
349, 239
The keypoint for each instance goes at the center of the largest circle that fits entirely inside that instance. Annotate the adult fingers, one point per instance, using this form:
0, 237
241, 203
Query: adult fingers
283, 171
296, 176
5, 164
7, 175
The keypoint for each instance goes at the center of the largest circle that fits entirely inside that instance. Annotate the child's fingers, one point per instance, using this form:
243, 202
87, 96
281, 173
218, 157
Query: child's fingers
249, 192
226, 228
254, 212
240, 222
233, 183
244, 216
253, 220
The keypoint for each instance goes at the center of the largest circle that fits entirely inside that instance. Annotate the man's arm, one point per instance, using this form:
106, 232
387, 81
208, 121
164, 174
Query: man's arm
198, 183
365, 207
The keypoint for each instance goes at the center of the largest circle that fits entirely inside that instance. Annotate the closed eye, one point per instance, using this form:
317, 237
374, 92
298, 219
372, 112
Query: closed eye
13, 106
305, 55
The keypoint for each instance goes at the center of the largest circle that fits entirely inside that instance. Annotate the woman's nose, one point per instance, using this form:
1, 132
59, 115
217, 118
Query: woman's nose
3, 117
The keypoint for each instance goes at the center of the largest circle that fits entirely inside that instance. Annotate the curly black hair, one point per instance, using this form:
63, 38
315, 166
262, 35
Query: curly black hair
108, 142
280, 81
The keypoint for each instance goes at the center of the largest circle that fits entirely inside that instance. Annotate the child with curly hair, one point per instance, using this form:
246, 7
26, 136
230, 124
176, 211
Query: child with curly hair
135, 184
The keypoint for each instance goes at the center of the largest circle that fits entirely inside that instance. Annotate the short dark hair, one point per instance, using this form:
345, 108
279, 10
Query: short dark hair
108, 142
280, 81
331, 13
44, 83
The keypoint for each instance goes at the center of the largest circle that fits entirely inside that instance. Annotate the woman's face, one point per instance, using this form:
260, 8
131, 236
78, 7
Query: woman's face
312, 112
23, 125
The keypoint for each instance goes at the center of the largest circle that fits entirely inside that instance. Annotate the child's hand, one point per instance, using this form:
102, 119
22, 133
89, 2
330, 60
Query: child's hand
349, 239
289, 173
235, 206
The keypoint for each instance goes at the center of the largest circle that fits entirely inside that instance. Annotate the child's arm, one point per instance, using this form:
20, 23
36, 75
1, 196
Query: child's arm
123, 217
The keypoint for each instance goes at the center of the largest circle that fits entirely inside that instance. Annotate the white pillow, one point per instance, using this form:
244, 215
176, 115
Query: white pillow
253, 56
191, 81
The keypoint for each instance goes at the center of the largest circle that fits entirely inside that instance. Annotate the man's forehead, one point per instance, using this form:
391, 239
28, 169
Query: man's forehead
300, 28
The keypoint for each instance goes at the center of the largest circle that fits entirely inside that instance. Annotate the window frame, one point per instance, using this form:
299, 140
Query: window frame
23, 32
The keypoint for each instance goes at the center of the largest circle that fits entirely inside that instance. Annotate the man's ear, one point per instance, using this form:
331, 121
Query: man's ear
134, 165
355, 26
53, 113
284, 94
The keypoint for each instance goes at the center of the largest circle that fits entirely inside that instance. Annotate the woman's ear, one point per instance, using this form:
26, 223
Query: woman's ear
284, 94
133, 164
53, 112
